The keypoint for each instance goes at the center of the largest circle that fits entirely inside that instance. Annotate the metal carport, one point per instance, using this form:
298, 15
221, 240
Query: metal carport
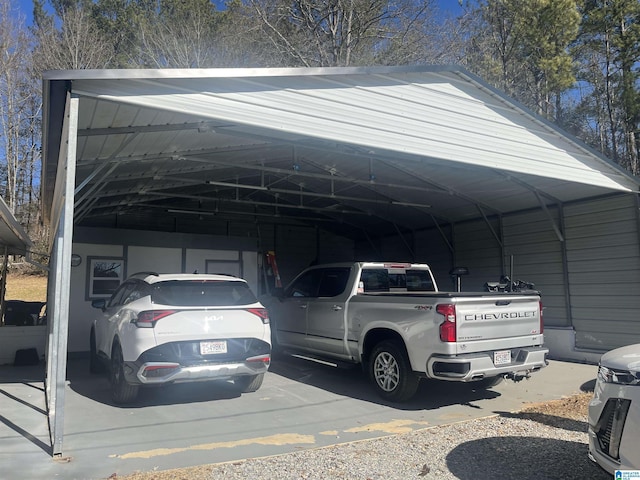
364, 153
13, 241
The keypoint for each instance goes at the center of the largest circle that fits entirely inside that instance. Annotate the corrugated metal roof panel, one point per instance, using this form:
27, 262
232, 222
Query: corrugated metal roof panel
373, 149
447, 122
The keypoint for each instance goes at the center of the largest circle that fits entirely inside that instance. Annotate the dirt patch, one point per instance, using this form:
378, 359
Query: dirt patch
574, 407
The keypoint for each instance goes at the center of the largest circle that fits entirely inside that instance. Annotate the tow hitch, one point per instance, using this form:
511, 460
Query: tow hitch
518, 376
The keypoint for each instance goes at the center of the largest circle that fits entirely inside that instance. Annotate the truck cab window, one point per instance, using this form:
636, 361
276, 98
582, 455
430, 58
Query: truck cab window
306, 285
333, 282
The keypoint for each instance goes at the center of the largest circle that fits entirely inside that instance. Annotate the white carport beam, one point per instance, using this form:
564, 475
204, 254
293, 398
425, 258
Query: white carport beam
554, 225
441, 188
60, 279
539, 196
491, 229
288, 192
320, 176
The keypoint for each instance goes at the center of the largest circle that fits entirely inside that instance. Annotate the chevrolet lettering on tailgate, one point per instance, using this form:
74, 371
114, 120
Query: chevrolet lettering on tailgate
500, 316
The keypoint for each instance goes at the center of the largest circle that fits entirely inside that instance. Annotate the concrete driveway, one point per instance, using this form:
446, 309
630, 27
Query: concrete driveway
301, 405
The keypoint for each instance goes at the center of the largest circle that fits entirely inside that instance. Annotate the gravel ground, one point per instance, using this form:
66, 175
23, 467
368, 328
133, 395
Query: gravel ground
543, 441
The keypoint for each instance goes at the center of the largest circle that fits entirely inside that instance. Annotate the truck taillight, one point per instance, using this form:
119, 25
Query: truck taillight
541, 319
148, 318
448, 327
260, 312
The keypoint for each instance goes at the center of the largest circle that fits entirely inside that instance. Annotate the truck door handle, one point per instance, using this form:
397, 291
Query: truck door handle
303, 306
337, 308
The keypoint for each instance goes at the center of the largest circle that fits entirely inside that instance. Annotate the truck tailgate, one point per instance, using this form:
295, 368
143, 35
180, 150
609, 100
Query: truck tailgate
494, 322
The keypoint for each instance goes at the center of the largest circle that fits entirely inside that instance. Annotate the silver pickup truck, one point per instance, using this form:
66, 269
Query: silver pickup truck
391, 319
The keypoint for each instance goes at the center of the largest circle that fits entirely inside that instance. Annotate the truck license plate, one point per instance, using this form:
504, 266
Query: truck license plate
209, 348
502, 357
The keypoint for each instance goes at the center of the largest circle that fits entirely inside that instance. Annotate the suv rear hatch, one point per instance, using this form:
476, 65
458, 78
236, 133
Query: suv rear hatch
205, 309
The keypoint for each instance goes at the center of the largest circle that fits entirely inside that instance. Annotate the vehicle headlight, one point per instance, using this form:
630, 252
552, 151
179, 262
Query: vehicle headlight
620, 377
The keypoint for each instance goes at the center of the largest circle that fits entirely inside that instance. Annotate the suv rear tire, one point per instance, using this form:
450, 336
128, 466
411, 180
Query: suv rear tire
121, 390
249, 383
95, 363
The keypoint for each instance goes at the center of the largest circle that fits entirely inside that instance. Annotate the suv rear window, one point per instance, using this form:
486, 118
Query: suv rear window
200, 293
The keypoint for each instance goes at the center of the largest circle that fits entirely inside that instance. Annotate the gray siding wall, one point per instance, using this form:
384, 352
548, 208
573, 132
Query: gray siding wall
533, 252
296, 248
604, 271
432, 249
477, 248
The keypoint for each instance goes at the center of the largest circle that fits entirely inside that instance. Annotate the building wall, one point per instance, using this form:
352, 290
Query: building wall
603, 252
478, 249
534, 254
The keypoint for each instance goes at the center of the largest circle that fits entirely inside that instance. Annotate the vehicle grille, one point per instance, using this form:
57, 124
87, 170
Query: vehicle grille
611, 425
188, 353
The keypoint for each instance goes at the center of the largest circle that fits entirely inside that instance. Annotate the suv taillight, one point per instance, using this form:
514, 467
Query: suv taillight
448, 327
541, 319
148, 318
260, 312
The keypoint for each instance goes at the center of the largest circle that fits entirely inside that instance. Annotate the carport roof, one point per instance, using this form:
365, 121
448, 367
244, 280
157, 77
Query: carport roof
360, 149
12, 235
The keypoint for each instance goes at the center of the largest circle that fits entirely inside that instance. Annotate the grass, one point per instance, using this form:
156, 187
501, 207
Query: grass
29, 288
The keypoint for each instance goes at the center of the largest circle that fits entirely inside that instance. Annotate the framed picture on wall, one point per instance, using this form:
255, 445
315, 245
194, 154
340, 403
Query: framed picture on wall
104, 276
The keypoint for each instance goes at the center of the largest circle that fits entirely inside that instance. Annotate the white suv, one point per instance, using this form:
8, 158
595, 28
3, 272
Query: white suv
164, 328
614, 413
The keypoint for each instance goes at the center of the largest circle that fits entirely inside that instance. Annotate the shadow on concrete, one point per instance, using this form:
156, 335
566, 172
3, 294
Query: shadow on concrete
23, 407
588, 386
354, 383
96, 388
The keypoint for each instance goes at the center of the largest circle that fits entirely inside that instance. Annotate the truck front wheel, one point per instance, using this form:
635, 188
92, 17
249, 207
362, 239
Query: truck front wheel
391, 373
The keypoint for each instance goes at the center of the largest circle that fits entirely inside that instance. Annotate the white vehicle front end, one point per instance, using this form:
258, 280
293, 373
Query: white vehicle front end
614, 412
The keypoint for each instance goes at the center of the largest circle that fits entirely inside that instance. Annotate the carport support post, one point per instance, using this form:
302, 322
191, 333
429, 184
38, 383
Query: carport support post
60, 275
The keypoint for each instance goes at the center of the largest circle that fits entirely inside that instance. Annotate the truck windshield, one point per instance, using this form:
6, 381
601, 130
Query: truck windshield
383, 280
202, 293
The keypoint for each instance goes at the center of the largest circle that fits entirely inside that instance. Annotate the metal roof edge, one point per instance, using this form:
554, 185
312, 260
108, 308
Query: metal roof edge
480, 83
10, 221
196, 73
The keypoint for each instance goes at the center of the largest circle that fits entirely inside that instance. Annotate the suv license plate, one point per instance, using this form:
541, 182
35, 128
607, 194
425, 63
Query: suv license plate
502, 357
209, 348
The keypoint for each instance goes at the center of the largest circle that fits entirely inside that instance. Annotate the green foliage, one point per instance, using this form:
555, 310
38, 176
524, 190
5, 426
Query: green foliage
522, 45
608, 51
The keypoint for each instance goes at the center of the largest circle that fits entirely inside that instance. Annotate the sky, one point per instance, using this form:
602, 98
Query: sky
26, 7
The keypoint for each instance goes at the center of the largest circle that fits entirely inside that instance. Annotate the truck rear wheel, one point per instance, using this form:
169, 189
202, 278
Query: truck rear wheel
391, 373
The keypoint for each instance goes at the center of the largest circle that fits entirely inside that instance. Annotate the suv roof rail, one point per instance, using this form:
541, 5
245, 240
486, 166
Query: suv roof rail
143, 274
